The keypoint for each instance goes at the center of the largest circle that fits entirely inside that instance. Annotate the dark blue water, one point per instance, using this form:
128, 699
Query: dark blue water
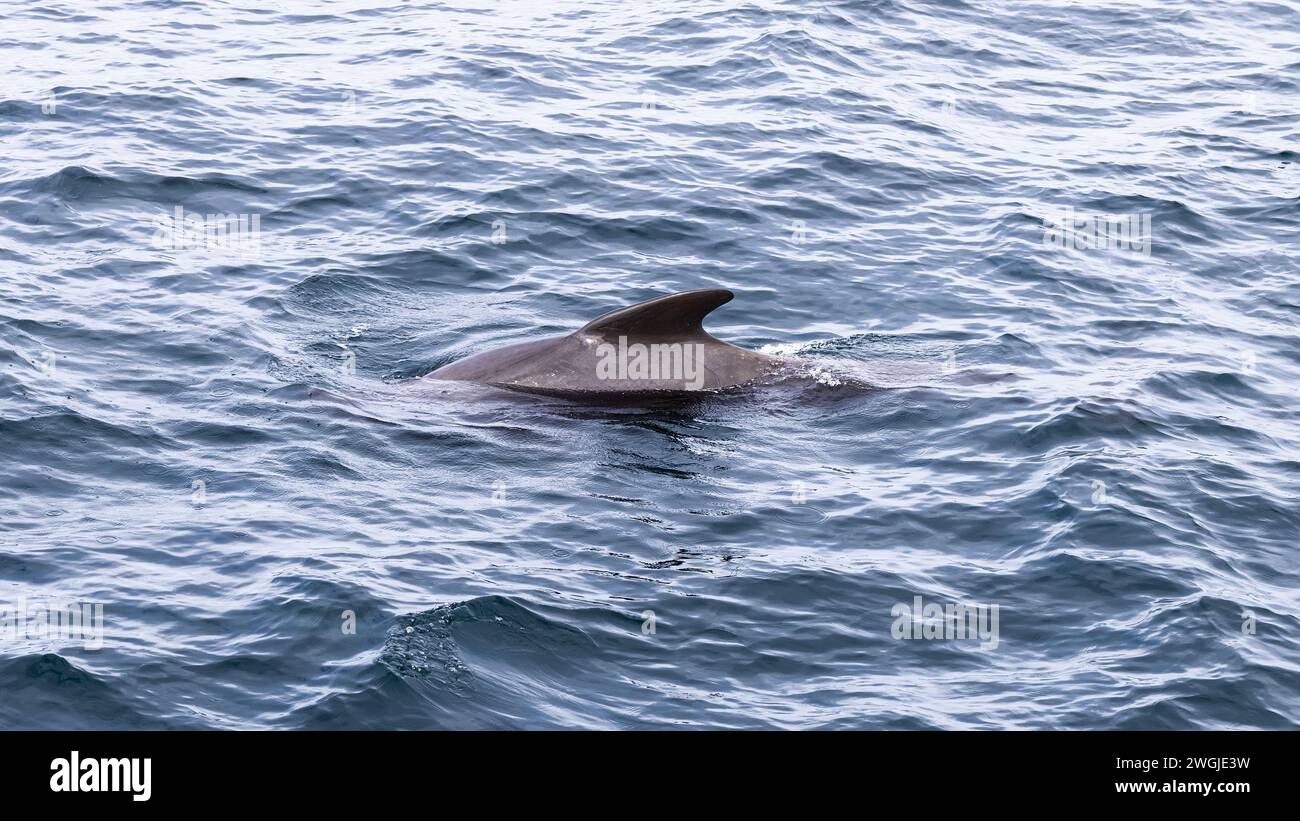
235, 456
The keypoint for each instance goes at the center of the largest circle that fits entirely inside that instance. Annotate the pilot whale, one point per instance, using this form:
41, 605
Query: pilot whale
656, 347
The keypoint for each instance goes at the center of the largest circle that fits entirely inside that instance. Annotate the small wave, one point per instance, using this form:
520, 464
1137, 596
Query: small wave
48, 692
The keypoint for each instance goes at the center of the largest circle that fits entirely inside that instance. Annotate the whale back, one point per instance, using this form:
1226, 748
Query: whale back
580, 362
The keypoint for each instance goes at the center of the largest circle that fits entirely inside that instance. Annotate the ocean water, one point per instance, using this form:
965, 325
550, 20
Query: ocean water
230, 450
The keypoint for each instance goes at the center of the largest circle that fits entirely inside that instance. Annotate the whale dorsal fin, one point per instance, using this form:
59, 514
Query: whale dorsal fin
675, 315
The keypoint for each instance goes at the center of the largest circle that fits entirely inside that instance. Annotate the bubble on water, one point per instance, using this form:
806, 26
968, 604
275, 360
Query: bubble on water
825, 376
782, 349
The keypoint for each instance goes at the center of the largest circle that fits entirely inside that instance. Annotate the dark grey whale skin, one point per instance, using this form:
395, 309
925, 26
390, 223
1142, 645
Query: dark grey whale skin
569, 364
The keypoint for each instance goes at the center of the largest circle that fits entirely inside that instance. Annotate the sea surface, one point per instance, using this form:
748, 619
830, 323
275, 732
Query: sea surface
231, 452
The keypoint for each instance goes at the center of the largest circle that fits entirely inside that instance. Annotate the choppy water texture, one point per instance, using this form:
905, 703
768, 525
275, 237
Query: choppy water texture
229, 453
